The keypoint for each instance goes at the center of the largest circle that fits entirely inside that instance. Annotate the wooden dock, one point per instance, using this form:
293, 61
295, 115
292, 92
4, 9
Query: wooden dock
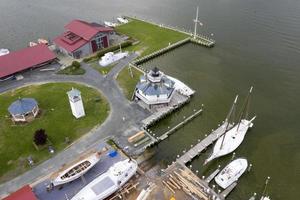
172, 130
212, 175
202, 145
226, 192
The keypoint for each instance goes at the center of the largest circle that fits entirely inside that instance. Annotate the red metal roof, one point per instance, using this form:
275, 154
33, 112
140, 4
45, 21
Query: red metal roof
85, 29
24, 59
70, 47
25, 193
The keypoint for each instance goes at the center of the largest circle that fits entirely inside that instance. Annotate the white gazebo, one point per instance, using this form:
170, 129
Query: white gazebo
24, 110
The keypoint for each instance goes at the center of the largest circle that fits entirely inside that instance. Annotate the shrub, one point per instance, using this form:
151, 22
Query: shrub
40, 137
76, 64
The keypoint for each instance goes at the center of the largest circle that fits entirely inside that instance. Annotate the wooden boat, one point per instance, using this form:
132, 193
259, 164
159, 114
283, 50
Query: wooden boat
76, 169
231, 173
233, 137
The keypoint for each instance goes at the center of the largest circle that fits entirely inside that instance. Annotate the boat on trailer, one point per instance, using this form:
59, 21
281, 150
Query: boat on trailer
232, 172
111, 57
109, 182
4, 52
233, 137
75, 170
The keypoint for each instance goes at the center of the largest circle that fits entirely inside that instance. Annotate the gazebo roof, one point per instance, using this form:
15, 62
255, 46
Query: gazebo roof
22, 106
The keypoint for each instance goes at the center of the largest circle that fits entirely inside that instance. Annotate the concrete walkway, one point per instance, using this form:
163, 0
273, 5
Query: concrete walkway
113, 126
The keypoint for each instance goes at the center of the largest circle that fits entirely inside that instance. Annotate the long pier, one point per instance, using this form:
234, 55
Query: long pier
202, 145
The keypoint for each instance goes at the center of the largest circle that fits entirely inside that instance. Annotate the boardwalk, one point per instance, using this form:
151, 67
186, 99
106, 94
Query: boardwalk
202, 145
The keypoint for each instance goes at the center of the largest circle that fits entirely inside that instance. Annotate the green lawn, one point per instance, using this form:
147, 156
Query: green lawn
100, 69
56, 118
70, 70
128, 83
151, 37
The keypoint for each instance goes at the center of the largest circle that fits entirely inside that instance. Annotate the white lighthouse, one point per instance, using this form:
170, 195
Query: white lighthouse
76, 103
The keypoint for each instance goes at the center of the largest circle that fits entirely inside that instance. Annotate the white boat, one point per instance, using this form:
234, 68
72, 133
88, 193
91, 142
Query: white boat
122, 20
4, 52
265, 198
110, 24
32, 44
112, 57
231, 173
75, 170
181, 87
233, 137
43, 41
109, 182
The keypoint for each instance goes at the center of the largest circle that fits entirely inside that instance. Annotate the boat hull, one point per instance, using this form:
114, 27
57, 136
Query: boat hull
93, 160
231, 173
110, 58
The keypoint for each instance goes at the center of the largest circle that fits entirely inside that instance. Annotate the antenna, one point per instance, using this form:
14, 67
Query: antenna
196, 21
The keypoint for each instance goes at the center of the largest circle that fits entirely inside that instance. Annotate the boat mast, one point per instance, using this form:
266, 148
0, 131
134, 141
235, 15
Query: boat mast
196, 21
229, 116
245, 108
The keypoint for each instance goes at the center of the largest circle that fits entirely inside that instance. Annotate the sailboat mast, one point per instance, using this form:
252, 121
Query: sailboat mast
196, 23
227, 120
245, 108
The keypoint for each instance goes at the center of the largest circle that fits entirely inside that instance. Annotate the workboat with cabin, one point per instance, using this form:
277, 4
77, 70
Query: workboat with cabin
75, 170
112, 57
234, 134
122, 20
4, 52
232, 172
109, 182
110, 24
181, 87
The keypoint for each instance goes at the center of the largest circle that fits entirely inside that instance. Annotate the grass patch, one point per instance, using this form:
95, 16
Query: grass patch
128, 83
71, 70
56, 118
151, 37
100, 69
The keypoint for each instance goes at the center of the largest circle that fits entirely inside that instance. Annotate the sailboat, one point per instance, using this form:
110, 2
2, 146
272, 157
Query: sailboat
233, 137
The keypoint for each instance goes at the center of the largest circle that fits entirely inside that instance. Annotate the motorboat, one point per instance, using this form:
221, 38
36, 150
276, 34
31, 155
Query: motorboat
122, 20
76, 169
32, 44
112, 57
233, 137
181, 87
110, 24
232, 172
43, 41
108, 182
4, 52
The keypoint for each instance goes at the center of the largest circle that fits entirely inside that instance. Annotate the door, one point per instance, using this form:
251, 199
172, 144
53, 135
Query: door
94, 45
105, 41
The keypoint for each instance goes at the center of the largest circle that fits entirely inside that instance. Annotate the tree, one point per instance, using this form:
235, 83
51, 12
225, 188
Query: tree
40, 137
76, 64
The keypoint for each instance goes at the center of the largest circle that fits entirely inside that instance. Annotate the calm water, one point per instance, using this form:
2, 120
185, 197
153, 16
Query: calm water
258, 44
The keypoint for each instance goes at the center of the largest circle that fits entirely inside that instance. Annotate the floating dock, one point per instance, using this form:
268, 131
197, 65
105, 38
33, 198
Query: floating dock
212, 175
